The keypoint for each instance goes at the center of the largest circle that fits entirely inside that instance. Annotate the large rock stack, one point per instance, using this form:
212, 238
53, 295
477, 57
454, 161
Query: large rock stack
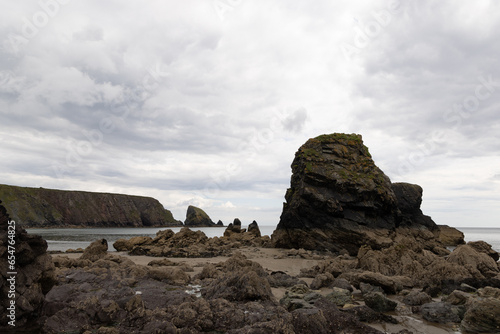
34, 276
340, 200
196, 217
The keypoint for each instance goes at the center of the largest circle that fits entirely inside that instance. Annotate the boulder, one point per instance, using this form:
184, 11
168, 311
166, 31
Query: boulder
196, 217
340, 200
322, 281
479, 264
390, 284
378, 302
450, 236
457, 297
340, 297
417, 298
34, 279
484, 247
367, 288
366, 314
281, 279
342, 283
441, 312
123, 245
96, 250
241, 286
489, 292
483, 316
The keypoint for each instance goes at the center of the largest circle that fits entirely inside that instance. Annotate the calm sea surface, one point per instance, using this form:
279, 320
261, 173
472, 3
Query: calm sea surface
63, 239
490, 235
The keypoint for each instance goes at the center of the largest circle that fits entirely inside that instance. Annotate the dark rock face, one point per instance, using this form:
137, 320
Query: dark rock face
35, 276
340, 200
39, 207
196, 217
409, 198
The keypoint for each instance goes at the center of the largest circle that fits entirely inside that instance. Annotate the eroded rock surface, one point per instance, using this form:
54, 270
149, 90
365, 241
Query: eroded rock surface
340, 200
35, 275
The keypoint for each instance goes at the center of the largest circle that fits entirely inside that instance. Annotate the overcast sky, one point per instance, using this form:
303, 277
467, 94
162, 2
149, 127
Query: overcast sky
205, 102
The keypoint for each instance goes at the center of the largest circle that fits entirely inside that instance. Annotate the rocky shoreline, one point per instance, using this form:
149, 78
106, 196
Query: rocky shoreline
250, 287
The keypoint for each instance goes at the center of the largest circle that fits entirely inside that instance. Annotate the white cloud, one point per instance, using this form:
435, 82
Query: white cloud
175, 103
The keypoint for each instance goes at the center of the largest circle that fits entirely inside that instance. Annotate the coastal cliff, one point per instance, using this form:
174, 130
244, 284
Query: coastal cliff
40, 207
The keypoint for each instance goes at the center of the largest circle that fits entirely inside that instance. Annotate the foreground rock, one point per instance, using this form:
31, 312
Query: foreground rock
339, 200
40, 207
35, 276
483, 316
110, 294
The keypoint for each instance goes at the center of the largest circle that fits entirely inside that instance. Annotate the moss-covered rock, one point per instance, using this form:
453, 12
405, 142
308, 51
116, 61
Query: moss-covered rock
340, 200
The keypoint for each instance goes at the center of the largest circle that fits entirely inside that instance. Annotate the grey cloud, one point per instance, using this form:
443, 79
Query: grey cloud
295, 121
90, 33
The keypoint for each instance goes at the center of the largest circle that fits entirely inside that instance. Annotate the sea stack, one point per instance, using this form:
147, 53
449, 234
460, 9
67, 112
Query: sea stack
339, 200
196, 217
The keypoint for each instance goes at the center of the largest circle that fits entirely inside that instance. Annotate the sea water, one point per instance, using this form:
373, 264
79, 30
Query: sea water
62, 239
490, 235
